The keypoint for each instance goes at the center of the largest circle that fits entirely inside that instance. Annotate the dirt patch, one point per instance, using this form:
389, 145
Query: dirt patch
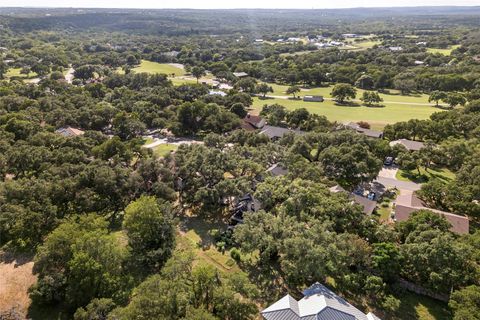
15, 278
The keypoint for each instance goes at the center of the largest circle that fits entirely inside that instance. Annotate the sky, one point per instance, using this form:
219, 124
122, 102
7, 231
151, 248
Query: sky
230, 4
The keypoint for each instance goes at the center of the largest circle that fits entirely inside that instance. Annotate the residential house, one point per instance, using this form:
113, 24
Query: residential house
240, 74
275, 133
69, 132
318, 303
251, 122
409, 144
407, 203
277, 170
368, 132
395, 49
245, 205
313, 99
368, 205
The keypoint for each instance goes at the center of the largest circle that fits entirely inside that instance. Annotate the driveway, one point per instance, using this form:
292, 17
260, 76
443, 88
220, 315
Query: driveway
388, 172
402, 185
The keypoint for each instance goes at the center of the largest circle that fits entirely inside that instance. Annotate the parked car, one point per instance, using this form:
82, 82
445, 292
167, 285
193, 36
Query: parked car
388, 161
372, 196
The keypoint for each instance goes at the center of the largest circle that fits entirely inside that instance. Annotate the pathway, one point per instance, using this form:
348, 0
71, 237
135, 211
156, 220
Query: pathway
69, 75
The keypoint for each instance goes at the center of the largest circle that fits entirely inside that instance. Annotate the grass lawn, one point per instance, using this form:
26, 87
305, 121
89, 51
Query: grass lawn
15, 72
366, 44
441, 173
195, 237
445, 52
164, 149
179, 81
392, 97
417, 307
155, 67
377, 117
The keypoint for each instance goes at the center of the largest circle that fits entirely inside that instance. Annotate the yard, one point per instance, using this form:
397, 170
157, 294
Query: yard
155, 67
441, 173
377, 117
15, 72
445, 52
418, 307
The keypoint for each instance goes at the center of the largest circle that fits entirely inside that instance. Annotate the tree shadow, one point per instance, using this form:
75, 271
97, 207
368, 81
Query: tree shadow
265, 98
414, 306
347, 104
202, 226
19, 258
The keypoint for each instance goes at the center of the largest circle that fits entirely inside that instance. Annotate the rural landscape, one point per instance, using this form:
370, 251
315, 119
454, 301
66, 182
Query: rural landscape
240, 164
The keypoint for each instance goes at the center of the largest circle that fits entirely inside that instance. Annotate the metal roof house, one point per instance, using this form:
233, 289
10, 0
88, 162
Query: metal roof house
313, 98
318, 303
409, 144
69, 132
275, 133
367, 132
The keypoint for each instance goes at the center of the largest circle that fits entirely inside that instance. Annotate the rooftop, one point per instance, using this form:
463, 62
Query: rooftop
368, 132
318, 303
69, 132
409, 144
407, 203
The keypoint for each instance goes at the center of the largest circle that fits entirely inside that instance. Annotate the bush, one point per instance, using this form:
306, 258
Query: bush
235, 254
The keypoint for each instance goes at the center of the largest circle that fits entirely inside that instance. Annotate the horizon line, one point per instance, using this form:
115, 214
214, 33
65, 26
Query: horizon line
240, 8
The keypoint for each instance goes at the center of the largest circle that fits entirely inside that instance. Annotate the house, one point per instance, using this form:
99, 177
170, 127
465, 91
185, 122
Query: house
368, 132
407, 203
313, 98
217, 93
275, 133
251, 122
395, 49
69, 132
318, 303
409, 144
277, 170
245, 205
240, 74
367, 204
350, 35
419, 63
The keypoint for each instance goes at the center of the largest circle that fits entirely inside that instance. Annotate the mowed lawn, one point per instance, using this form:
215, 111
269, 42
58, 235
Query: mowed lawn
15, 72
155, 67
377, 117
445, 52
393, 96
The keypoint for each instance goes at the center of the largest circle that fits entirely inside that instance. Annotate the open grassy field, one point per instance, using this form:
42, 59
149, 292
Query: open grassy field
445, 52
392, 97
417, 307
164, 149
366, 44
441, 173
377, 117
15, 72
155, 67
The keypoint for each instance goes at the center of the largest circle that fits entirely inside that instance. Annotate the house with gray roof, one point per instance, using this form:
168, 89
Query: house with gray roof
318, 303
367, 132
409, 144
275, 133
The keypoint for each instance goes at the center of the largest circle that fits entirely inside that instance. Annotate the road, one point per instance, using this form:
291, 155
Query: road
401, 185
69, 75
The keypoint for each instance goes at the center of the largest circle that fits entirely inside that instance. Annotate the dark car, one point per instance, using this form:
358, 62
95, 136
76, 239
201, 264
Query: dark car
388, 161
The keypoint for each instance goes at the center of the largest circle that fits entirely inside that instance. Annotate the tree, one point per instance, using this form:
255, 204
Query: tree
264, 88
84, 72
370, 98
405, 82
3, 69
293, 90
198, 72
466, 303
97, 309
343, 91
454, 99
247, 84
437, 96
365, 82
150, 230
239, 109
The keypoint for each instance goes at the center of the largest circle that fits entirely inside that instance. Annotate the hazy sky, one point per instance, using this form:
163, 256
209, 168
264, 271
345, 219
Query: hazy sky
208, 4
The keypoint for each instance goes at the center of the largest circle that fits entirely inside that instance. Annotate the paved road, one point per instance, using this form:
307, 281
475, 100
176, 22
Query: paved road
402, 185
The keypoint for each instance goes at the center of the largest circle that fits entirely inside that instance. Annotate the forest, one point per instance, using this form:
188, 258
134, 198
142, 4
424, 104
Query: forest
181, 164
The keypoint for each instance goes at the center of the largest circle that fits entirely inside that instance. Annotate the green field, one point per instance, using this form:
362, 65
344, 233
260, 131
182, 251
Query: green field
15, 72
164, 149
445, 52
366, 44
393, 96
377, 117
155, 67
